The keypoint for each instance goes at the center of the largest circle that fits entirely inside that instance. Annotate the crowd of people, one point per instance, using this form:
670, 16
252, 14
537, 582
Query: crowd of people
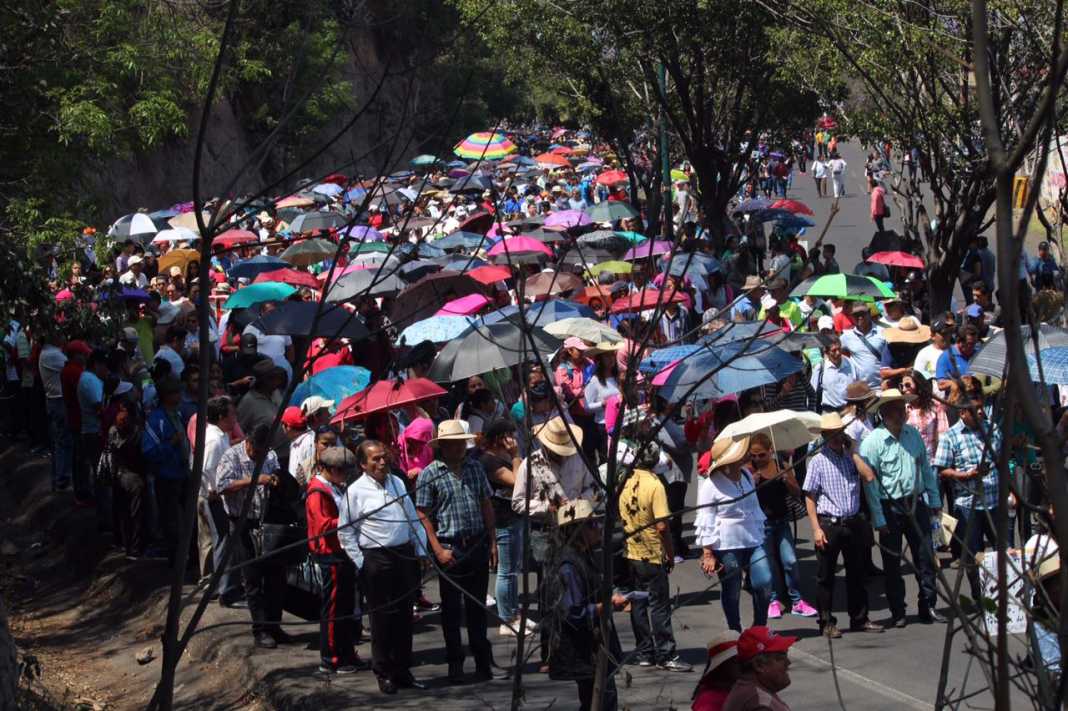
396, 471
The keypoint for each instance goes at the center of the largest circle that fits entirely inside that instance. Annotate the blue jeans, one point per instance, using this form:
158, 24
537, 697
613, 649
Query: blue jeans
779, 543
62, 443
509, 561
734, 560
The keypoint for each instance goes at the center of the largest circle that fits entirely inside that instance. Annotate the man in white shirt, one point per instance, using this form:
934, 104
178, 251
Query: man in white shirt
837, 167
926, 363
134, 275
278, 348
833, 376
214, 527
50, 363
168, 351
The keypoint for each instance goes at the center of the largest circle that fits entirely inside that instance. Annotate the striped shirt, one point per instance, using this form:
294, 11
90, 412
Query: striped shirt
834, 482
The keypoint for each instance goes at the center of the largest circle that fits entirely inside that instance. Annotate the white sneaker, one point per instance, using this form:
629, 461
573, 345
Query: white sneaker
505, 631
490, 601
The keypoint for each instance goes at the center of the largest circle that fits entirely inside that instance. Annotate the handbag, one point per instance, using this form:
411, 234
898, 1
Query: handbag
886, 210
105, 466
278, 541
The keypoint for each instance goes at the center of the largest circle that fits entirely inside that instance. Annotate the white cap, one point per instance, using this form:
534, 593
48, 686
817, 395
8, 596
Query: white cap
768, 302
825, 323
313, 404
122, 388
136, 259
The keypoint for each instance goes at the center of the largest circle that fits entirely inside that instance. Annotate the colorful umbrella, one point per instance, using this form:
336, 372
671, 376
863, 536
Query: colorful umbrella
484, 145
794, 206
649, 249
568, 218
386, 395
551, 160
585, 328
439, 329
645, 300
612, 177
896, 259
613, 267
285, 275
464, 306
843, 286
611, 211
258, 293
295, 201
328, 189
234, 237
518, 245
334, 384
549, 283
490, 274
252, 268
753, 205
423, 298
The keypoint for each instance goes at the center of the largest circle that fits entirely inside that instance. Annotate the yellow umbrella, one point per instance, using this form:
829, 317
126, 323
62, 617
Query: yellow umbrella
178, 258
614, 266
188, 220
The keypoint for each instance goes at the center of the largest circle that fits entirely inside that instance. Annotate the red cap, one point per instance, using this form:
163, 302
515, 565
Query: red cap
761, 640
78, 348
293, 417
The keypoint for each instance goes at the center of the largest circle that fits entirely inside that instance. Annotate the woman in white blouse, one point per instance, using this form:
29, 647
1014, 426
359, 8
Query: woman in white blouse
730, 529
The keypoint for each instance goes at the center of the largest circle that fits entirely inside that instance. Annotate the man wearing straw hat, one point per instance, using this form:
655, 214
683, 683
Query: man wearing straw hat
832, 498
453, 502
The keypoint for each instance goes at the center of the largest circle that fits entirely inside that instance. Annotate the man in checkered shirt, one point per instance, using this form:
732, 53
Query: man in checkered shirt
967, 457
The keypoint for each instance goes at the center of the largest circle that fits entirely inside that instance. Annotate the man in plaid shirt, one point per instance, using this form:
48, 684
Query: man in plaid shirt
964, 458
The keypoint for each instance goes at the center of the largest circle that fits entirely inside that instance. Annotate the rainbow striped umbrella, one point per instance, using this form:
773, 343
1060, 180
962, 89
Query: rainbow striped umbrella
487, 145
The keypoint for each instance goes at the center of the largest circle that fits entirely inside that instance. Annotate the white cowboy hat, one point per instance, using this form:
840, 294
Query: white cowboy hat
554, 435
452, 431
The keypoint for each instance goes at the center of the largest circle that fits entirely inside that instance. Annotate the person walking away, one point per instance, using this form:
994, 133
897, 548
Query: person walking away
879, 208
730, 528
765, 671
904, 498
819, 176
453, 501
837, 167
720, 673
832, 499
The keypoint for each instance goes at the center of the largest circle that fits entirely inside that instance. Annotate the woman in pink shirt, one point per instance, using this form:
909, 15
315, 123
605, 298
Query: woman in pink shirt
924, 413
571, 374
878, 205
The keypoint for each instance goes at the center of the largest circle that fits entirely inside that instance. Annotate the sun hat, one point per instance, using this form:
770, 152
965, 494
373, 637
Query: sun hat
340, 457
313, 404
129, 333
721, 648
831, 421
761, 640
908, 330
859, 391
576, 342
136, 259
559, 437
451, 431
724, 451
891, 395
293, 417
575, 511
751, 282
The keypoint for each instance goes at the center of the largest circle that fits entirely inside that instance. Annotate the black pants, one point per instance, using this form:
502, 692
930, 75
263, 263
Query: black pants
585, 694
337, 603
85, 462
170, 498
128, 491
914, 526
879, 223
390, 577
469, 574
676, 496
265, 585
650, 617
849, 538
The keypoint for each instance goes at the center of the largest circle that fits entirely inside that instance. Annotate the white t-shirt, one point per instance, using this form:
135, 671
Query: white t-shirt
128, 278
837, 166
51, 362
927, 360
274, 347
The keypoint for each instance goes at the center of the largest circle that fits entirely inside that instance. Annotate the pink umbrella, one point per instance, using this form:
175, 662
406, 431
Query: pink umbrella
568, 218
515, 245
499, 229
64, 295
661, 377
648, 249
464, 306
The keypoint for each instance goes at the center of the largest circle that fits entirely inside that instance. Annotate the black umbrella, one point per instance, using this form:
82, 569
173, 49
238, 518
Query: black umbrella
471, 184
295, 318
886, 241
423, 298
366, 282
312, 221
483, 348
416, 269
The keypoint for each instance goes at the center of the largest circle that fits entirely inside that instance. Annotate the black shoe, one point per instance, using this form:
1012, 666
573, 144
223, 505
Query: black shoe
409, 682
898, 621
866, 626
490, 674
930, 617
456, 674
281, 636
831, 631
265, 641
386, 685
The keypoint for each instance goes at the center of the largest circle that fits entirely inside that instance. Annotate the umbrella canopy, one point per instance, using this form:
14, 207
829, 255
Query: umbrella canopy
551, 160
1054, 361
461, 240
257, 294
234, 237
485, 145
177, 258
464, 306
794, 222
362, 234
138, 227
471, 184
518, 245
663, 358
651, 248
787, 429
611, 211
424, 161
585, 328
295, 201
735, 331
285, 275
253, 267
423, 298
415, 270
794, 206
567, 218
613, 267
896, 259
176, 234
313, 221
188, 220
487, 347
886, 241
478, 223
460, 263
991, 357
541, 313
370, 248
328, 189
365, 282
309, 251
612, 177
843, 286
296, 318
752, 205
692, 263
439, 329
646, 299
490, 274
386, 395
733, 367
548, 283
604, 239
334, 384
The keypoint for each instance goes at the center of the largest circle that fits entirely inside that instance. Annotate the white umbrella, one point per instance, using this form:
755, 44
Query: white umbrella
176, 234
787, 429
585, 328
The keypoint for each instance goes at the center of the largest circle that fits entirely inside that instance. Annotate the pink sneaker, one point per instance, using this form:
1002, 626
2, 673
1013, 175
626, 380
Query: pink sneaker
803, 609
775, 610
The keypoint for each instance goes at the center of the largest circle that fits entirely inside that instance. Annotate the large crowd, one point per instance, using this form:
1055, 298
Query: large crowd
427, 374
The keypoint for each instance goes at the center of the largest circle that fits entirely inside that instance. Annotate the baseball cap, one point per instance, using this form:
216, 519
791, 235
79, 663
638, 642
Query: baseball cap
313, 404
293, 417
761, 640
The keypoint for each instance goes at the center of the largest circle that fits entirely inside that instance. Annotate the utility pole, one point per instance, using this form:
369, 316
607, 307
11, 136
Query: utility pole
666, 224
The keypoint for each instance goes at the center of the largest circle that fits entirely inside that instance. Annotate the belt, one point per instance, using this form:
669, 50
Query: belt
835, 520
463, 541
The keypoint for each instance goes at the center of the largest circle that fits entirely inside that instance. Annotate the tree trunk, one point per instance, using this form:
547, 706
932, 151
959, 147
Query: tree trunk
9, 674
941, 278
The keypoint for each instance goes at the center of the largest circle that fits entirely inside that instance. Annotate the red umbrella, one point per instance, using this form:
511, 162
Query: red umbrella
794, 206
387, 395
826, 121
294, 277
647, 299
612, 177
232, 237
897, 259
490, 274
551, 159
562, 151
478, 223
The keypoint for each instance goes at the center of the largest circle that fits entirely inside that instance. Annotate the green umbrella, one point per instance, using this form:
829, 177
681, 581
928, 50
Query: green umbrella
615, 267
369, 247
309, 251
424, 161
844, 286
258, 293
611, 211
632, 237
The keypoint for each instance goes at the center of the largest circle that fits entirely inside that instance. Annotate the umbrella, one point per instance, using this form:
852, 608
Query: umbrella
568, 218
364, 282
604, 239
795, 206
421, 249
464, 306
370, 248
547, 236
423, 298
415, 270
177, 258
309, 251
549, 283
585, 328
439, 329
176, 234
662, 358
334, 384
288, 276
649, 249
362, 234
1054, 362
541, 313
634, 238
787, 429
582, 257
734, 367
478, 222
612, 177
464, 264
794, 222
257, 294
314, 221
826, 122
188, 220
843, 286
769, 215
484, 145
295, 201
615, 267
295, 318
424, 161
991, 357
490, 274
679, 176
487, 347
518, 245
234, 237
896, 259
886, 241
688, 264
252, 268
387, 395
551, 160
611, 211
646, 299
471, 184
138, 227
328, 189
735, 331
752, 205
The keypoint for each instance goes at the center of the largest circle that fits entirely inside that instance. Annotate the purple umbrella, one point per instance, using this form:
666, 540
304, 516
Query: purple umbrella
648, 249
567, 218
126, 293
459, 173
363, 233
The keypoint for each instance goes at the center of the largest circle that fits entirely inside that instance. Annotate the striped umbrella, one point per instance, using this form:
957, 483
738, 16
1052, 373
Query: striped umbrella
138, 227
485, 145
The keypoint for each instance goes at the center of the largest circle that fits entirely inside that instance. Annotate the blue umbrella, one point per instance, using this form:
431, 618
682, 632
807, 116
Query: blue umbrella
439, 329
770, 214
422, 249
794, 222
330, 189
1054, 365
753, 205
735, 331
541, 313
253, 267
335, 384
663, 357
465, 264
355, 195
736, 367
461, 240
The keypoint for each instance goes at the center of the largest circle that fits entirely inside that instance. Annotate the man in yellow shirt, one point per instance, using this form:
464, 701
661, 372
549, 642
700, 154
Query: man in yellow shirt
643, 509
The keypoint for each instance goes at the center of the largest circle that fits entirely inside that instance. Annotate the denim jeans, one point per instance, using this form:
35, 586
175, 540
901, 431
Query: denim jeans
730, 579
509, 561
905, 523
62, 443
779, 544
973, 538
650, 618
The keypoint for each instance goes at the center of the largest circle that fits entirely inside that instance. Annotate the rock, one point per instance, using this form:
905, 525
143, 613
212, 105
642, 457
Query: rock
146, 655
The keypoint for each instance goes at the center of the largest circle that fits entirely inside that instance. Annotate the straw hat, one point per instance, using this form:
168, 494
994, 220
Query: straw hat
721, 648
724, 452
831, 422
859, 391
575, 511
751, 282
891, 395
554, 436
908, 330
452, 431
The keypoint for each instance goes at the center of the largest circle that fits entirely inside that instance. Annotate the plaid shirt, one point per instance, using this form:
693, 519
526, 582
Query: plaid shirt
236, 465
961, 448
453, 503
833, 479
